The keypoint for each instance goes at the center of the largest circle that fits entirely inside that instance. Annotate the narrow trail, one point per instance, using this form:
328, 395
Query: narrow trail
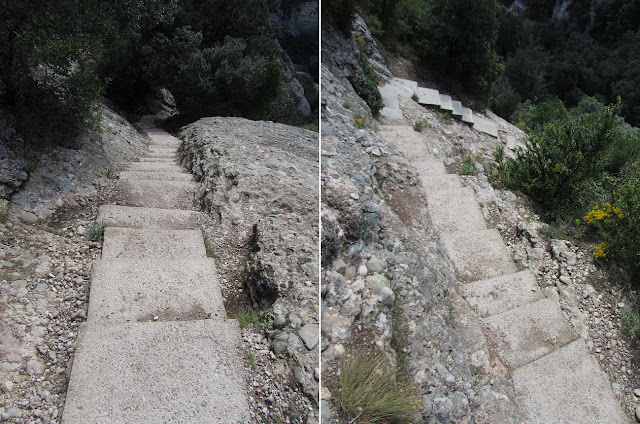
554, 374
156, 347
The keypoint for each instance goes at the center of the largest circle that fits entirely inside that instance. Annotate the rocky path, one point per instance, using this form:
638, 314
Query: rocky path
156, 347
555, 377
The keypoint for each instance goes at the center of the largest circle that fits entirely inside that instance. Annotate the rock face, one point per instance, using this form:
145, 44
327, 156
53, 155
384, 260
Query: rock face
258, 181
13, 167
64, 173
162, 104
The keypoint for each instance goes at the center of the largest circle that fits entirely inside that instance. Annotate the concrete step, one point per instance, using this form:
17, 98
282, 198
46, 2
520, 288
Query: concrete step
391, 109
155, 148
428, 97
457, 108
412, 144
162, 138
485, 125
161, 155
467, 115
156, 175
455, 211
137, 217
134, 290
156, 373
156, 194
162, 159
478, 255
567, 386
131, 243
500, 294
154, 166
443, 182
404, 87
528, 332
445, 103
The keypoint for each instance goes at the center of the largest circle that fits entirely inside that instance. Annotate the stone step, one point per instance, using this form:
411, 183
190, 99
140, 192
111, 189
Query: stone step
161, 138
134, 290
457, 108
138, 217
445, 103
478, 255
156, 194
156, 373
484, 125
391, 109
161, 159
412, 144
160, 155
528, 332
155, 148
567, 386
443, 182
156, 175
132, 243
404, 87
500, 294
154, 166
454, 211
467, 115
428, 97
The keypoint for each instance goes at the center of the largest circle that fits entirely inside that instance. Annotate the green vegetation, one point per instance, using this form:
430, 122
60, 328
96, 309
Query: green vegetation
418, 126
248, 316
57, 60
370, 392
95, 232
553, 231
415, 97
250, 358
208, 246
467, 166
365, 83
631, 322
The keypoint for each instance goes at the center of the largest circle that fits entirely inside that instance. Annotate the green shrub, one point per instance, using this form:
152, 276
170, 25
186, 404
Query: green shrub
631, 322
365, 83
418, 126
467, 166
560, 159
415, 97
626, 231
248, 316
370, 392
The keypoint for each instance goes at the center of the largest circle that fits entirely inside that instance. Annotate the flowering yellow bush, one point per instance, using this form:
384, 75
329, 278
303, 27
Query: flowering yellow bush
602, 250
599, 214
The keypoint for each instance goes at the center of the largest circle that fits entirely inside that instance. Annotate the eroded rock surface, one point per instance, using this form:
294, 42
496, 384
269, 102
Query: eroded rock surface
258, 181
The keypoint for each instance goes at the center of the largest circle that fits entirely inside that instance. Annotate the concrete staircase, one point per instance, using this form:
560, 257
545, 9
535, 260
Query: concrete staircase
156, 347
555, 377
397, 87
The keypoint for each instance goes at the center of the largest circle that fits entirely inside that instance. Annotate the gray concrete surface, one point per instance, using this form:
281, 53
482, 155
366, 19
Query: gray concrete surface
478, 255
138, 290
528, 332
428, 97
457, 108
391, 109
500, 294
156, 194
445, 103
467, 116
129, 243
485, 125
158, 373
156, 175
454, 212
139, 217
154, 166
567, 386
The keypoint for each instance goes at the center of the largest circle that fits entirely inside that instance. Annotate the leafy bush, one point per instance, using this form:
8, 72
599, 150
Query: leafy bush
418, 126
341, 12
626, 231
561, 158
365, 83
370, 392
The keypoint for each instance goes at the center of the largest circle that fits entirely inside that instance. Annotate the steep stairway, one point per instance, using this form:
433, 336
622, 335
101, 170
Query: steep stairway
555, 377
156, 347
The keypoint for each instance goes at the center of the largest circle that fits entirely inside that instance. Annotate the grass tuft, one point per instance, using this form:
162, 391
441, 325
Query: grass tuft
418, 126
415, 97
631, 322
207, 245
247, 317
250, 358
95, 232
553, 232
370, 392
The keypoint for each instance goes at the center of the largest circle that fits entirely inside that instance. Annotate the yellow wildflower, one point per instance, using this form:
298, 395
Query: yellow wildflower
602, 250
